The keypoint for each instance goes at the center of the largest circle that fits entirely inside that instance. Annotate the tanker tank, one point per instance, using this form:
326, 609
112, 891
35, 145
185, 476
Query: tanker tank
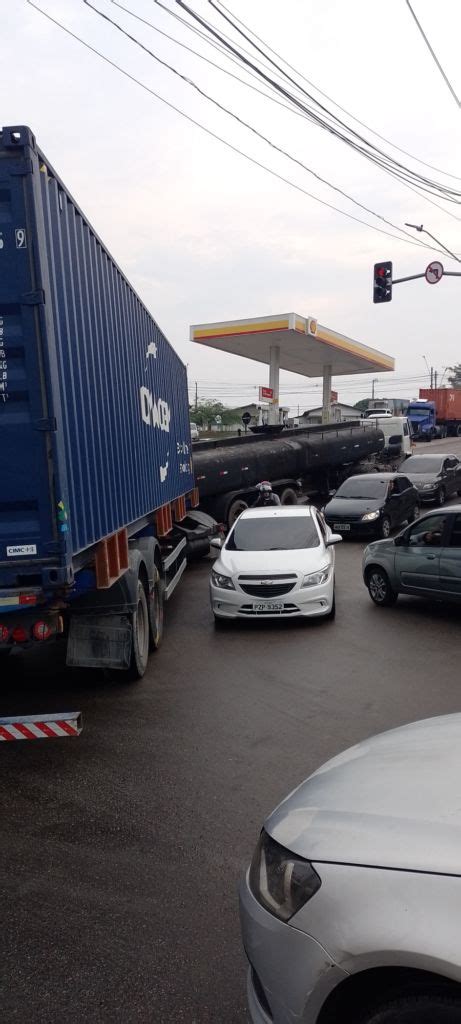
235, 465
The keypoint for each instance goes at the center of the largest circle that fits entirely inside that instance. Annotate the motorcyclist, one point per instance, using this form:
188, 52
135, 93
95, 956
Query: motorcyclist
266, 495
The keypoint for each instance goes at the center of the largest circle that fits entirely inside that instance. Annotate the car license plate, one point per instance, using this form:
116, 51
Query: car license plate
341, 526
268, 606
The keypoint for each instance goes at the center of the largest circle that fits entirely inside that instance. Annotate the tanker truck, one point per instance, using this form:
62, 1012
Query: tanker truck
316, 459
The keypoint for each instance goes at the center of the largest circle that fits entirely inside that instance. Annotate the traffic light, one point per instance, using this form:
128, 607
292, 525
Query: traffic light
382, 282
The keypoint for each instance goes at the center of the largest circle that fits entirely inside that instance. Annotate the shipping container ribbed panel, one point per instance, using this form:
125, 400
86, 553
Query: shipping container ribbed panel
94, 416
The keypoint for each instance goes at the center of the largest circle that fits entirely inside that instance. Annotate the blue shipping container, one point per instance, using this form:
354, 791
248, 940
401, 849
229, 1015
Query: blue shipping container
94, 415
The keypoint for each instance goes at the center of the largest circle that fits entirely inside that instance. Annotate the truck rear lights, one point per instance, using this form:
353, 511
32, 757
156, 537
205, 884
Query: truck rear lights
4, 634
19, 635
26, 599
41, 631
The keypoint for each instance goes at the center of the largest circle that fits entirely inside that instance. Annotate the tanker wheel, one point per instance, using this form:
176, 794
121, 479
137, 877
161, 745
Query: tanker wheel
235, 510
288, 497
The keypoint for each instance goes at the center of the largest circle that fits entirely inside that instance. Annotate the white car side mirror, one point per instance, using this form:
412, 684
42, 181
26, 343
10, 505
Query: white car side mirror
216, 542
334, 539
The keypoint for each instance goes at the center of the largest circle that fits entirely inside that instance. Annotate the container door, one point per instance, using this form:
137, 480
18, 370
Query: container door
26, 505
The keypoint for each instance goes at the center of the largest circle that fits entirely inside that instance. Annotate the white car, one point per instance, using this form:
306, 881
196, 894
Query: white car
276, 562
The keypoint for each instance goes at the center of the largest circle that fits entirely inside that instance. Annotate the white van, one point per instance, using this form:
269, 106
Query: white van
397, 433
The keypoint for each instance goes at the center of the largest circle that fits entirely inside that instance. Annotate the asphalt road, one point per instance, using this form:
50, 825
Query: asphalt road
121, 851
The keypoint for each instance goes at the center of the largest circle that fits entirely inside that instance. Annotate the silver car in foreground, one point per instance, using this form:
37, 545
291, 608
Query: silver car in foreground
423, 561
351, 908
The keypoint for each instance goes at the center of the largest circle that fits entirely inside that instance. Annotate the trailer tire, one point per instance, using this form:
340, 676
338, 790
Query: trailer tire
140, 636
458, 430
288, 496
156, 615
235, 509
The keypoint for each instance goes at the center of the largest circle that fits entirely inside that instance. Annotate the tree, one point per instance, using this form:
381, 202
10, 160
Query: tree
362, 406
206, 412
455, 379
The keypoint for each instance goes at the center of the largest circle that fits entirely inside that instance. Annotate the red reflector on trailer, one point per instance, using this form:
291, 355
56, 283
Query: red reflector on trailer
41, 631
19, 635
4, 634
27, 599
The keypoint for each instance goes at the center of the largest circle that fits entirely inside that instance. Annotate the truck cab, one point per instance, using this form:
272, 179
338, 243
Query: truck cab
423, 419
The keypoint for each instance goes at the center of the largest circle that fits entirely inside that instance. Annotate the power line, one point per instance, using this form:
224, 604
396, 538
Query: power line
377, 156
343, 109
433, 55
248, 85
240, 120
218, 138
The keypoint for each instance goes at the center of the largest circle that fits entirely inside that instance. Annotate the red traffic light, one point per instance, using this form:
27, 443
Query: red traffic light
382, 282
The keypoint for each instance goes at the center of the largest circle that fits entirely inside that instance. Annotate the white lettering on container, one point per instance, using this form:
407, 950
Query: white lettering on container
154, 413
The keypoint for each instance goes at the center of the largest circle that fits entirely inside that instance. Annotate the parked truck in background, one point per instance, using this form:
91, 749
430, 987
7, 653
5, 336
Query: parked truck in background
437, 413
97, 485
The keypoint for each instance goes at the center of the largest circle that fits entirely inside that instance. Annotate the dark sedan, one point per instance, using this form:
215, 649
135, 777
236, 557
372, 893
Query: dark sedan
436, 477
372, 504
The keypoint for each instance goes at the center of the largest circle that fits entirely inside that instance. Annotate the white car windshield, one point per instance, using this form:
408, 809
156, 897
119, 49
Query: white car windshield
282, 533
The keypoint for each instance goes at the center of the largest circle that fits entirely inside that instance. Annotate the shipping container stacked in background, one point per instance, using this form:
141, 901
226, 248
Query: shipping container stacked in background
447, 402
94, 416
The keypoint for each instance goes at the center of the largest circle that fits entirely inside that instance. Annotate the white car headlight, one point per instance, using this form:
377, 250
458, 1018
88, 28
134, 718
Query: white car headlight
313, 579
223, 582
369, 516
427, 487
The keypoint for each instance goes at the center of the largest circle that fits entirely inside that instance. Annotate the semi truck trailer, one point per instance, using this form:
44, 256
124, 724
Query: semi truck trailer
97, 489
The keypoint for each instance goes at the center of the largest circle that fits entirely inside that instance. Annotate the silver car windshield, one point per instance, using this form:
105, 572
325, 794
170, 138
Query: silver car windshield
284, 533
362, 488
423, 464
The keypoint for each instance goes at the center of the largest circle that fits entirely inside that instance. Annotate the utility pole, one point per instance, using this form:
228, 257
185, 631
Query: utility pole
373, 388
196, 396
435, 379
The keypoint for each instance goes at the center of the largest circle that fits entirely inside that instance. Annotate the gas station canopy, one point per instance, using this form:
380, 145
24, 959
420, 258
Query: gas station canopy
306, 347
295, 343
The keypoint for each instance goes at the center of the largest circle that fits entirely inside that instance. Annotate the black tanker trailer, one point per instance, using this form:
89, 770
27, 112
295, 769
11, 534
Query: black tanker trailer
318, 458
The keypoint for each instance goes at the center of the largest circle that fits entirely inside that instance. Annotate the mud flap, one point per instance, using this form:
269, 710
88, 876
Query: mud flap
102, 641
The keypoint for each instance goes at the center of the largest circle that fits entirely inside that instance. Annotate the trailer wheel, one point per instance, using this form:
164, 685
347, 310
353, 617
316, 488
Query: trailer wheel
235, 510
140, 638
156, 616
288, 496
458, 430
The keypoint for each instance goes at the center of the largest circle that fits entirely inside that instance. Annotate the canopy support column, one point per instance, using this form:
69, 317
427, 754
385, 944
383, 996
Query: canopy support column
326, 408
274, 375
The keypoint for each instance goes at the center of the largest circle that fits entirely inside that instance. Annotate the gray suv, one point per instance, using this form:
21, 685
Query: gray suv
424, 560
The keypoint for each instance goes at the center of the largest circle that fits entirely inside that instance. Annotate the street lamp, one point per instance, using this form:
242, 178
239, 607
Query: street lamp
419, 227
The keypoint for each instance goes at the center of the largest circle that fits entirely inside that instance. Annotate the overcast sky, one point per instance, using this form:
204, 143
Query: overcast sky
204, 235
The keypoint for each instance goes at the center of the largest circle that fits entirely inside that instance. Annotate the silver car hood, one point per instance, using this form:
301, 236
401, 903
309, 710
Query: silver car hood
393, 801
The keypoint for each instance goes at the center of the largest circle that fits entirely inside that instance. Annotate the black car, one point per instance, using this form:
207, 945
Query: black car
372, 504
436, 477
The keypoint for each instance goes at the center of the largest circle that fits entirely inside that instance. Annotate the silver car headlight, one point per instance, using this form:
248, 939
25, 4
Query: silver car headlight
427, 487
223, 582
280, 881
369, 516
313, 579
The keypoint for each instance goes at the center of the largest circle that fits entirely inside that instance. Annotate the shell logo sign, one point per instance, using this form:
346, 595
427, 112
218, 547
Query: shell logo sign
312, 326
